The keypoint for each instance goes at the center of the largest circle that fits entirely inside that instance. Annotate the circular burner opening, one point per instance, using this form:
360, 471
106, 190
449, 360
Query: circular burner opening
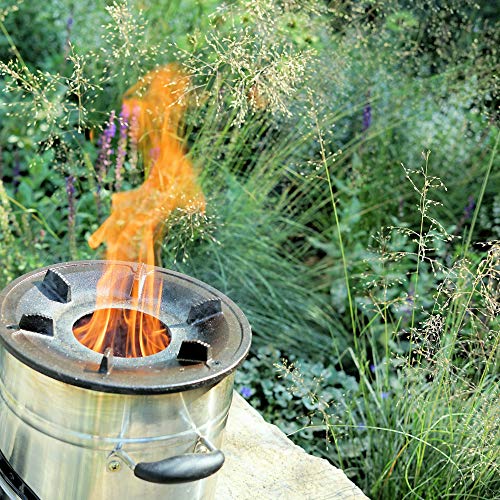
127, 333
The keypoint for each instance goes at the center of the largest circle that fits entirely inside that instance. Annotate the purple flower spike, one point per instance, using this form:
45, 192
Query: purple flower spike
111, 130
246, 392
122, 146
133, 136
469, 209
367, 114
103, 160
367, 117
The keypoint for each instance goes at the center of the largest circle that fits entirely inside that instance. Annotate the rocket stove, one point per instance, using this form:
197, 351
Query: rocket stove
80, 424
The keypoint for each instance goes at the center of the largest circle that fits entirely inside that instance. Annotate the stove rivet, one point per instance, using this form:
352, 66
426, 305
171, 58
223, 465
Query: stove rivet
114, 466
201, 448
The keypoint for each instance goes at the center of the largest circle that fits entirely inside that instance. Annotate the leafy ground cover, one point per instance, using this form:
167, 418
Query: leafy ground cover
348, 155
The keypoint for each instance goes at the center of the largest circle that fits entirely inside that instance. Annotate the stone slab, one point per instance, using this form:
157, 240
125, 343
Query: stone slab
262, 463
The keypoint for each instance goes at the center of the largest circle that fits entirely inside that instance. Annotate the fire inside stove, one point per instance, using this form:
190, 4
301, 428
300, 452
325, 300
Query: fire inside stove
128, 333
154, 109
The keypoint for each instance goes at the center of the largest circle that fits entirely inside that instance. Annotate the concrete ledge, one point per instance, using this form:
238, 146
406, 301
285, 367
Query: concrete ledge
262, 463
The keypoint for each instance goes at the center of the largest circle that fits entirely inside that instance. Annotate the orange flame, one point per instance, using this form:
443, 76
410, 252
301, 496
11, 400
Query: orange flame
137, 216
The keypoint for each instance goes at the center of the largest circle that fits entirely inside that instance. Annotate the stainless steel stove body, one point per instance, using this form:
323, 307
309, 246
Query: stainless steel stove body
78, 424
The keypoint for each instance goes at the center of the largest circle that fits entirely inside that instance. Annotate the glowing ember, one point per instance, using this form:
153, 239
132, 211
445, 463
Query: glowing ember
136, 217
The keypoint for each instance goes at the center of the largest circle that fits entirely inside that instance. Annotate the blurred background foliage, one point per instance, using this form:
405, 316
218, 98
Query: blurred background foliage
367, 267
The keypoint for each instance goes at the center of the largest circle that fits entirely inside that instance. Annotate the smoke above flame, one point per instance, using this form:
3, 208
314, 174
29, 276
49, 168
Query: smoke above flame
137, 217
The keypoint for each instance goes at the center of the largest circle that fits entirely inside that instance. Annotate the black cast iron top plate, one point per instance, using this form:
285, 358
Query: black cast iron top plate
210, 334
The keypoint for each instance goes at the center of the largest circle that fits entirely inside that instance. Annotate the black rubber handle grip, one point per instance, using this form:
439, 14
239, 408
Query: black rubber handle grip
180, 469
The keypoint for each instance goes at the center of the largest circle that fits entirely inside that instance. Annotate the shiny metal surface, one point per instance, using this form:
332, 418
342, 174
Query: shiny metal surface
56, 352
65, 441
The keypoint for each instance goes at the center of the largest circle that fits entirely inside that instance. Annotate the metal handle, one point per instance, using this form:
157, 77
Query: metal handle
181, 469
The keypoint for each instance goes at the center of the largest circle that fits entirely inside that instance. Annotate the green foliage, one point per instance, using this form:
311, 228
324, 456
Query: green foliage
362, 275
319, 394
39, 32
427, 361
420, 426
428, 437
255, 234
16, 233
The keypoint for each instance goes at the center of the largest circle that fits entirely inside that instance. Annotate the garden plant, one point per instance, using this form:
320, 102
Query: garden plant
348, 157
